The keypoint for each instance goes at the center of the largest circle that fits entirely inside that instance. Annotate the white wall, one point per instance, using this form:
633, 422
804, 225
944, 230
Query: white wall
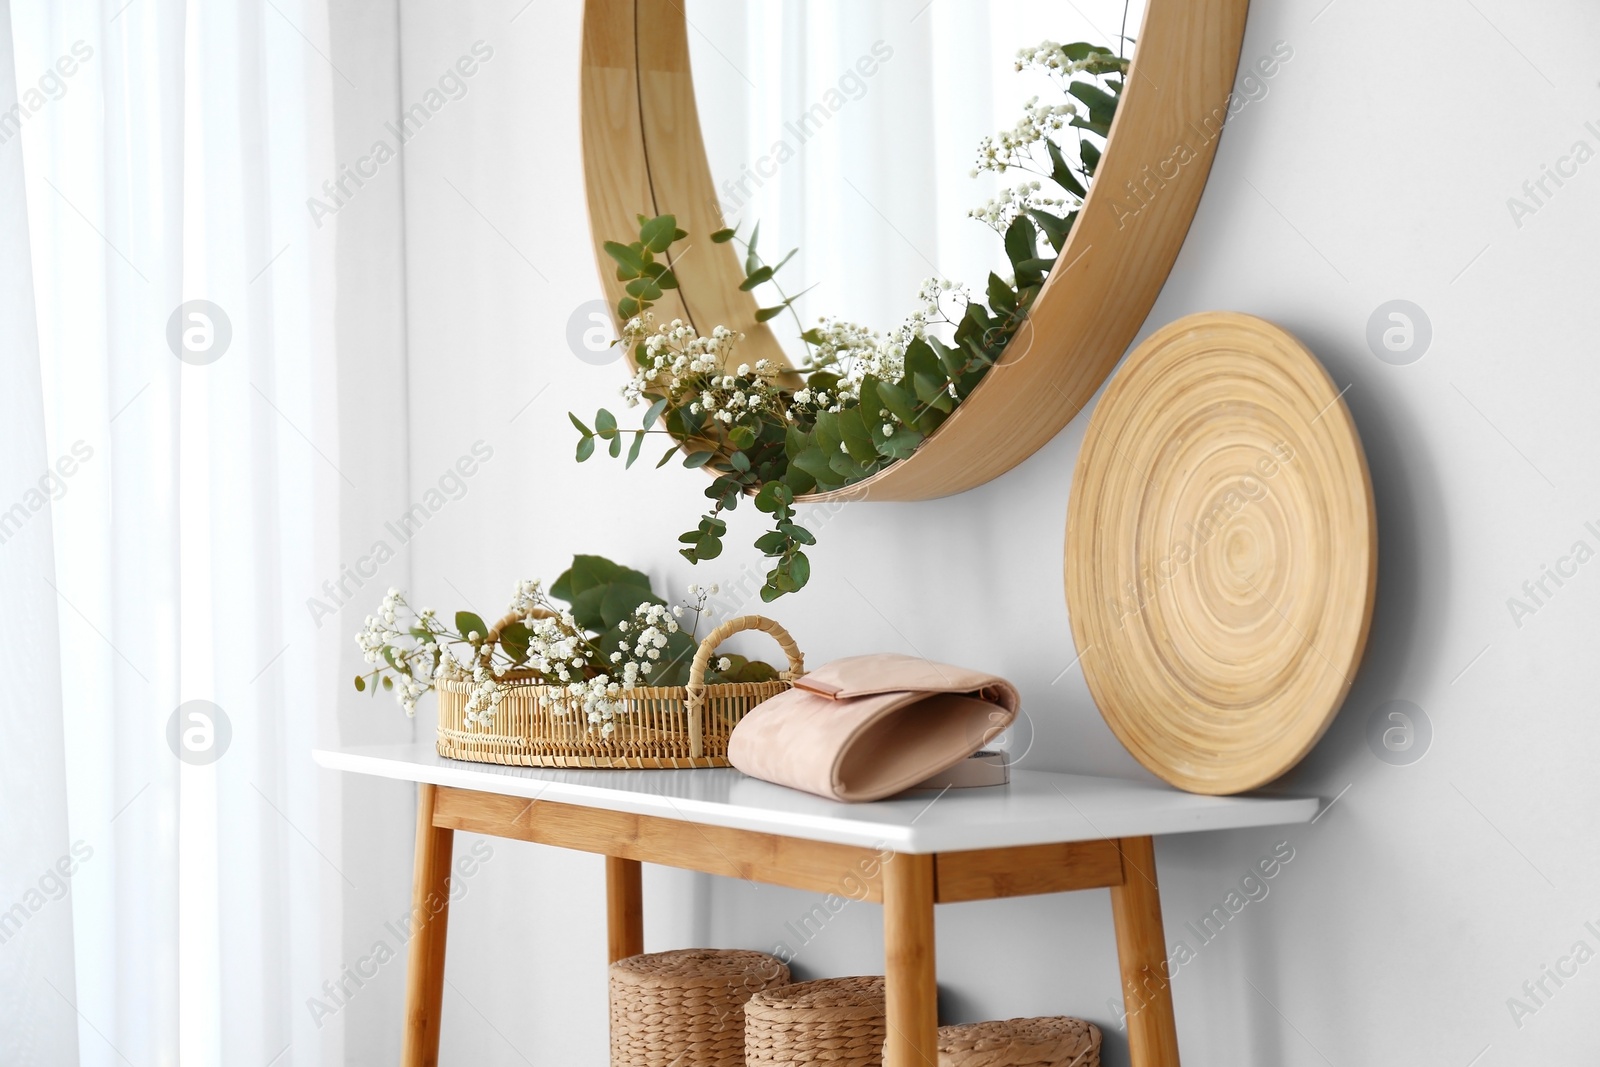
1377, 167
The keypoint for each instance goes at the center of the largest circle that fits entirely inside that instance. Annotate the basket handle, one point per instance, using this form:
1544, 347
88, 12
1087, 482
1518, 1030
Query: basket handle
516, 616
702, 660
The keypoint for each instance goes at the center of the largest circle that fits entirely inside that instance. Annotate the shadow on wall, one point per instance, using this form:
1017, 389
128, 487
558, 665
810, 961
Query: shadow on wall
1409, 556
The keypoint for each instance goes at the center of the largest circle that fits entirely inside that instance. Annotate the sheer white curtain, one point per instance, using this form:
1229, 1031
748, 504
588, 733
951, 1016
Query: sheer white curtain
165, 151
36, 973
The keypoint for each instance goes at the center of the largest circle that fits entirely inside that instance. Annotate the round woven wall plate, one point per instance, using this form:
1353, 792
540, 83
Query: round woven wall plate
1221, 553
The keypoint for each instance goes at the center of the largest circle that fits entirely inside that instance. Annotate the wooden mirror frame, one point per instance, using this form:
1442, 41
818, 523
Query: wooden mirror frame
643, 153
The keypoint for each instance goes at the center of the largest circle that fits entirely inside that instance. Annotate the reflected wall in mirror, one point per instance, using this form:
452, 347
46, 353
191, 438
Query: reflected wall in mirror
853, 133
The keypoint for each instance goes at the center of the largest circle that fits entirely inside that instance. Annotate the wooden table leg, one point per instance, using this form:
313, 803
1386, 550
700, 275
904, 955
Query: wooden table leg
909, 967
430, 913
1142, 952
624, 908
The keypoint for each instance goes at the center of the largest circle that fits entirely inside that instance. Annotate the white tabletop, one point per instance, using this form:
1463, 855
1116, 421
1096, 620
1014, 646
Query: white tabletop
1037, 807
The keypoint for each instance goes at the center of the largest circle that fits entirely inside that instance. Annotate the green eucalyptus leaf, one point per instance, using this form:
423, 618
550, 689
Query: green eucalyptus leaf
767, 499
666, 457
933, 392
1102, 105
644, 289
799, 571
630, 263
814, 462
605, 424
845, 467
467, 623
755, 278
827, 432
952, 360
899, 444
798, 534
899, 402
585, 448
361, 684
514, 640
798, 480
766, 314
587, 572
633, 449
1089, 152
652, 413
853, 427
742, 670
751, 260
723, 236
823, 379
1054, 226
618, 600
1062, 174
698, 459
1022, 248
1002, 297
658, 233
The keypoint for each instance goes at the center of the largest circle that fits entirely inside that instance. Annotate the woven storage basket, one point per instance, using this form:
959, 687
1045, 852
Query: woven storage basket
686, 1008
661, 726
835, 1021
1052, 1041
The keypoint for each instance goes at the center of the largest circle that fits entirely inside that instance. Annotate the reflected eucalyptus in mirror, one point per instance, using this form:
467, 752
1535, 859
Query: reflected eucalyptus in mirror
856, 400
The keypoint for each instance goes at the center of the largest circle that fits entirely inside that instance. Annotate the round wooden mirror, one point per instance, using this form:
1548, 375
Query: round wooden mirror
644, 154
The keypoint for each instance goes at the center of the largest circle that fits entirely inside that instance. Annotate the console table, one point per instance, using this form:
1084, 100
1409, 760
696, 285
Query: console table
1042, 833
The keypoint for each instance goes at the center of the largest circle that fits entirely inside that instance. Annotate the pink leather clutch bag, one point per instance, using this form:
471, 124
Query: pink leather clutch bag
867, 727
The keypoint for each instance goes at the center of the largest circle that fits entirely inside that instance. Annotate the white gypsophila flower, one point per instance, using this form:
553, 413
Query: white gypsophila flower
724, 664
1025, 145
999, 212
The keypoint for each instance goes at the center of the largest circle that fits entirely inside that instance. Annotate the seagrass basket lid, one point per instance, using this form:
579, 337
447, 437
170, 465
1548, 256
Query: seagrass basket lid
1050, 1041
835, 1021
686, 1008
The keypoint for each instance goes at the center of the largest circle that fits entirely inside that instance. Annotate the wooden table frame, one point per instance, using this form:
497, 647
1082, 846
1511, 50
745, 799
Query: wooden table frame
908, 885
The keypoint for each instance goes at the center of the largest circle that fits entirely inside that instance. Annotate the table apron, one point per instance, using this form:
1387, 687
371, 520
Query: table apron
850, 871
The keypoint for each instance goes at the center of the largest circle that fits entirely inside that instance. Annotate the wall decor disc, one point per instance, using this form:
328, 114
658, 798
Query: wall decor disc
1221, 554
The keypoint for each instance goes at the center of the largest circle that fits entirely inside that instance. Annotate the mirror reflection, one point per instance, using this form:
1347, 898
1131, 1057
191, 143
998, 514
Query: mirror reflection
871, 137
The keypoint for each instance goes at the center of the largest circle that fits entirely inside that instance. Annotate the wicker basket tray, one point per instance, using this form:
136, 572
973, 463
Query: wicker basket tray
686, 1008
661, 726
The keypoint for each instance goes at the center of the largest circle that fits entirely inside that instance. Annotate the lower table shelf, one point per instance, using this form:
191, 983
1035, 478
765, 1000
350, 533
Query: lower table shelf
908, 885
